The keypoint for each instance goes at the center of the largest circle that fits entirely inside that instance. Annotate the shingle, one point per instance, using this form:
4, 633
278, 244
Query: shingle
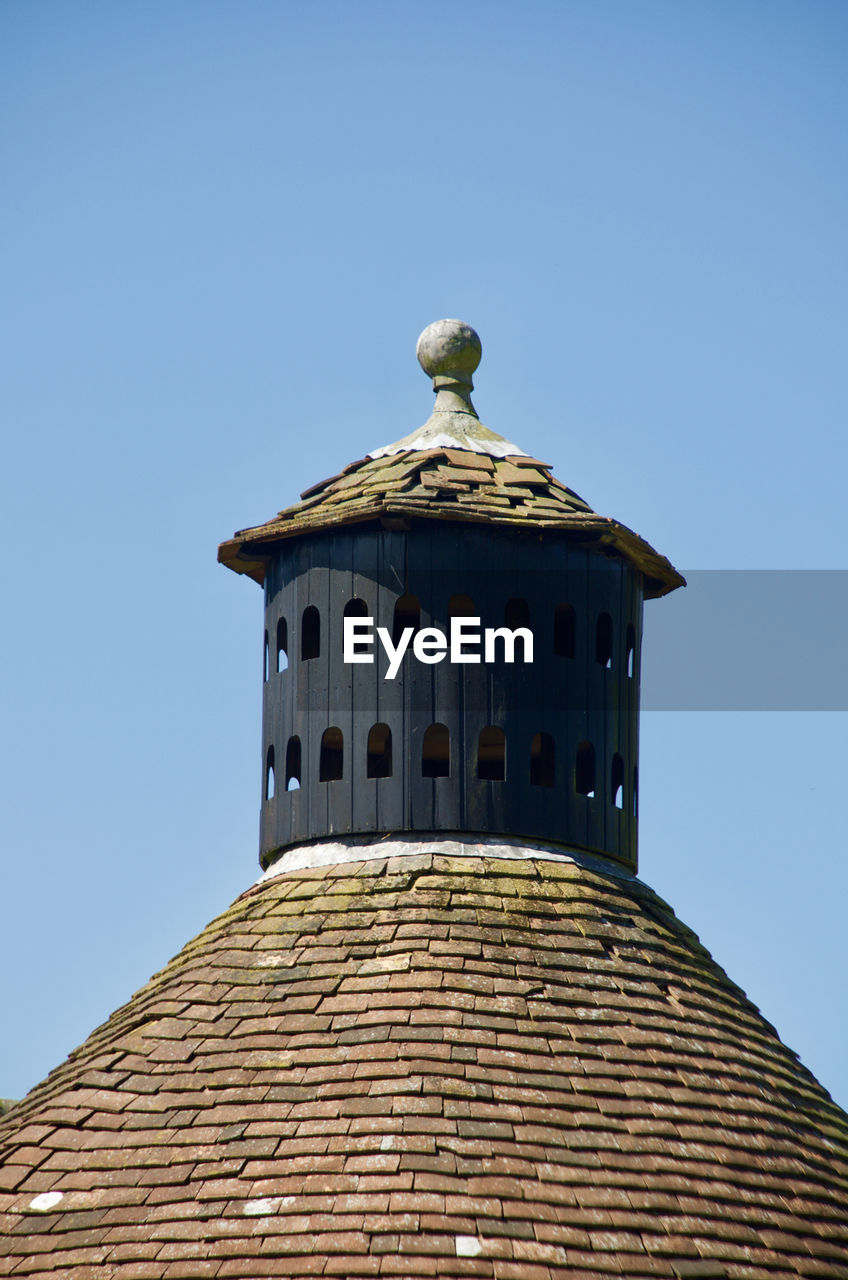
453, 485
556, 1074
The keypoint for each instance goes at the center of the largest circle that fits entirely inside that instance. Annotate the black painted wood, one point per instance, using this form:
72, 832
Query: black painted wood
571, 698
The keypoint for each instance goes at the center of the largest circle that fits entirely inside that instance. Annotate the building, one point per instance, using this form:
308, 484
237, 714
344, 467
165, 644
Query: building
448, 1031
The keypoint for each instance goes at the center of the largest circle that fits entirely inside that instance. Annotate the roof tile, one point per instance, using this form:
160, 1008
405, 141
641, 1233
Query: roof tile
446, 484
599, 1133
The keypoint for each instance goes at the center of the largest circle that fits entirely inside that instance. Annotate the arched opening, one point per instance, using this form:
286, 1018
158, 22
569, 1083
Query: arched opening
379, 751
265, 663
617, 781
516, 613
356, 608
282, 645
435, 752
584, 772
269, 774
461, 606
565, 631
310, 633
542, 760
407, 614
603, 641
491, 754
635, 791
630, 654
331, 764
293, 764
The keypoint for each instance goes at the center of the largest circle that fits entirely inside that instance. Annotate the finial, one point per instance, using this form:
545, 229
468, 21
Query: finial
449, 351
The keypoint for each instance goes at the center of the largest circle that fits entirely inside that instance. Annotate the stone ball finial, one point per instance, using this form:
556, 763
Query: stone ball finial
449, 350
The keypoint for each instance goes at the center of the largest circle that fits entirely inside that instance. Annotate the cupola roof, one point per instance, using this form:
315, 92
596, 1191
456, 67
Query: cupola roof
454, 469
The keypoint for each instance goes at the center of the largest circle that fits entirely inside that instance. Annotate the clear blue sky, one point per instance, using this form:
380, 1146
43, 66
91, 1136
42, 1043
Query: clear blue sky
224, 225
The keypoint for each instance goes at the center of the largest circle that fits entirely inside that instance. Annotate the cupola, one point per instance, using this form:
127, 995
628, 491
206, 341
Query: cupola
494, 684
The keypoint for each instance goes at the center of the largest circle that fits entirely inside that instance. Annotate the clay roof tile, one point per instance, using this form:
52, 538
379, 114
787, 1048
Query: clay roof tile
453, 485
428, 1058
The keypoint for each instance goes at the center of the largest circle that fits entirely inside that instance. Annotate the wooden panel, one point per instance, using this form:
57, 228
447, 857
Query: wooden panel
570, 698
388, 554
338, 708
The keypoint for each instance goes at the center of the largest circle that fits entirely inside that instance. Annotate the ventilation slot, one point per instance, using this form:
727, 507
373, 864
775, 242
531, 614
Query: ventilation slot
282, 645
407, 614
565, 630
617, 780
310, 634
332, 755
461, 606
491, 754
265, 659
269, 774
293, 764
435, 752
584, 772
630, 658
380, 751
603, 641
636, 792
542, 760
517, 614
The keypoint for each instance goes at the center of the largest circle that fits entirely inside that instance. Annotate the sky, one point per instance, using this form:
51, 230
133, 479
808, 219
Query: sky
223, 227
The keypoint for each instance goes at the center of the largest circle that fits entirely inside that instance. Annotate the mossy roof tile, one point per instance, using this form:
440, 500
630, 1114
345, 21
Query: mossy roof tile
421, 1066
452, 485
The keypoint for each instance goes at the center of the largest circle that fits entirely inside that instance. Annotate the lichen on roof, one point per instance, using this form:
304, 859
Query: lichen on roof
447, 485
451, 469
356, 1069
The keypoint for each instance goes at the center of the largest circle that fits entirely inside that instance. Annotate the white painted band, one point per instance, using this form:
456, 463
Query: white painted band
325, 853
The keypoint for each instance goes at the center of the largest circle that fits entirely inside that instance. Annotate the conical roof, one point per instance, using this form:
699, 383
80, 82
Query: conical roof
448, 484
417, 1058
455, 469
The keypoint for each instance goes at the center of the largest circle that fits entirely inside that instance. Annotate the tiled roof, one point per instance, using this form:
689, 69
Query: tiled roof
454, 485
431, 1066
